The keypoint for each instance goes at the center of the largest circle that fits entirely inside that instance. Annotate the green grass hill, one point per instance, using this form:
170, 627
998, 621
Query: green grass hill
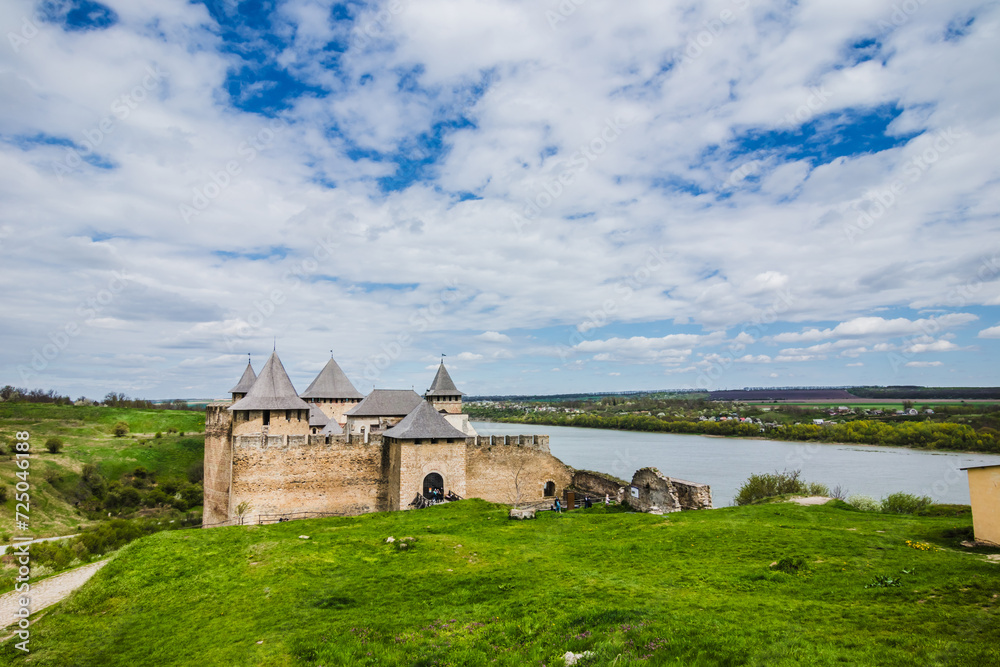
87, 434
774, 584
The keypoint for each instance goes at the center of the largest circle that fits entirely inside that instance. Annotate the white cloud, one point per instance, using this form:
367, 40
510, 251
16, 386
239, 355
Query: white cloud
494, 337
468, 356
924, 364
992, 332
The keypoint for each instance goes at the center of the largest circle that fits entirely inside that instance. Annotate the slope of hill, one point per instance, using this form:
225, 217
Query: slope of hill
774, 584
87, 433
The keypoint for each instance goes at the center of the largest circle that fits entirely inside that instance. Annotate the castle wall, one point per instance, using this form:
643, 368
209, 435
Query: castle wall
493, 462
218, 455
411, 462
692, 495
598, 485
300, 473
334, 408
297, 425
451, 406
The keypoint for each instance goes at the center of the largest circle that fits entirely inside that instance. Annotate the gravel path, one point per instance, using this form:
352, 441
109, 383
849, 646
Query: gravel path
48, 591
811, 500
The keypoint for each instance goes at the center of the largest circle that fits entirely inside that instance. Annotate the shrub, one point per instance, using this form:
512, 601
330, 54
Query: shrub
196, 473
3, 493
864, 503
158, 435
767, 485
171, 430
814, 489
120, 429
904, 503
838, 493
54, 445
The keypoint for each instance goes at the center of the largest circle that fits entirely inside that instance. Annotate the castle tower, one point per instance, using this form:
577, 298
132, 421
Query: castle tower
271, 406
425, 452
332, 392
243, 386
443, 394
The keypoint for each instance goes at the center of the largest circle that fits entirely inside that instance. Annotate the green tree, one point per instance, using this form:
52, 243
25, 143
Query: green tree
54, 445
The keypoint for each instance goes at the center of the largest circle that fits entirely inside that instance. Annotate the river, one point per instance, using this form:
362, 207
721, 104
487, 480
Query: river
725, 463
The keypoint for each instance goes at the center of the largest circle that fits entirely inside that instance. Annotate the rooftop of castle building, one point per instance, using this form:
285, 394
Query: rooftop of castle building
331, 383
386, 403
272, 390
443, 384
423, 422
243, 386
317, 417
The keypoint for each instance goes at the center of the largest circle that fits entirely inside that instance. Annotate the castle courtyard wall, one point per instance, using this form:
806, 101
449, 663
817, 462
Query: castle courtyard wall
284, 474
493, 461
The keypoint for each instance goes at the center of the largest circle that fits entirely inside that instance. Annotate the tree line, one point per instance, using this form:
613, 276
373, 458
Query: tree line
11, 394
915, 434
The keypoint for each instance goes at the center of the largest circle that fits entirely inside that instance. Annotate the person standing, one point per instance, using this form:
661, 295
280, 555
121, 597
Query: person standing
558, 506
607, 500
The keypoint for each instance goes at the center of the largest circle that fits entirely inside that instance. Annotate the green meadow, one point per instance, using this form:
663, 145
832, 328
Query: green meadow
87, 434
769, 584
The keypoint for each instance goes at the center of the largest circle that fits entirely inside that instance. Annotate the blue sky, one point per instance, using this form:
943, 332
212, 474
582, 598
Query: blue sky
561, 197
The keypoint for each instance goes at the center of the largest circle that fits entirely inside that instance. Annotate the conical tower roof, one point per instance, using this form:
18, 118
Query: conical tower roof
443, 385
423, 422
272, 390
243, 386
331, 383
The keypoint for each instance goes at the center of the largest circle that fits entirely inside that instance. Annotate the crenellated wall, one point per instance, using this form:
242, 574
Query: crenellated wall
505, 469
598, 485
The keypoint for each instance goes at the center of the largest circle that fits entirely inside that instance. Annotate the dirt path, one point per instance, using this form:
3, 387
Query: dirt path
811, 500
48, 591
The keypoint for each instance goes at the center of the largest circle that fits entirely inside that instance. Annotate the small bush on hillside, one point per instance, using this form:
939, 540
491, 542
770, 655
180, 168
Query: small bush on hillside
767, 485
120, 429
904, 503
790, 565
3, 493
171, 430
838, 493
196, 473
54, 445
814, 489
864, 503
158, 435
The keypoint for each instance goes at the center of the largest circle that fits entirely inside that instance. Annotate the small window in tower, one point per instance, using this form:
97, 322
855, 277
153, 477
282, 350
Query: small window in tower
267, 417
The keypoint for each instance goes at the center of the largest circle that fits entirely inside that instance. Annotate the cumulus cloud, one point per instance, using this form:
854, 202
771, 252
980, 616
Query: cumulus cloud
181, 184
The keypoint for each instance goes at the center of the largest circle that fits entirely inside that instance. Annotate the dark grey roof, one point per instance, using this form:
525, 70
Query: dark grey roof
331, 383
423, 422
317, 417
442, 385
333, 428
243, 386
386, 403
272, 390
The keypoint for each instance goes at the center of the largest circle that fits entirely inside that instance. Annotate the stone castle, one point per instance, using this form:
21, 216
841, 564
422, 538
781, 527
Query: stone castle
334, 450
274, 453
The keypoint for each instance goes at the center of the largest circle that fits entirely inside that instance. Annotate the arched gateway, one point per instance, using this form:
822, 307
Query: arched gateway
431, 482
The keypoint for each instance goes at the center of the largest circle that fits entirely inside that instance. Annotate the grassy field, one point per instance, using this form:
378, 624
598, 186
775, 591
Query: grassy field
474, 588
87, 433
